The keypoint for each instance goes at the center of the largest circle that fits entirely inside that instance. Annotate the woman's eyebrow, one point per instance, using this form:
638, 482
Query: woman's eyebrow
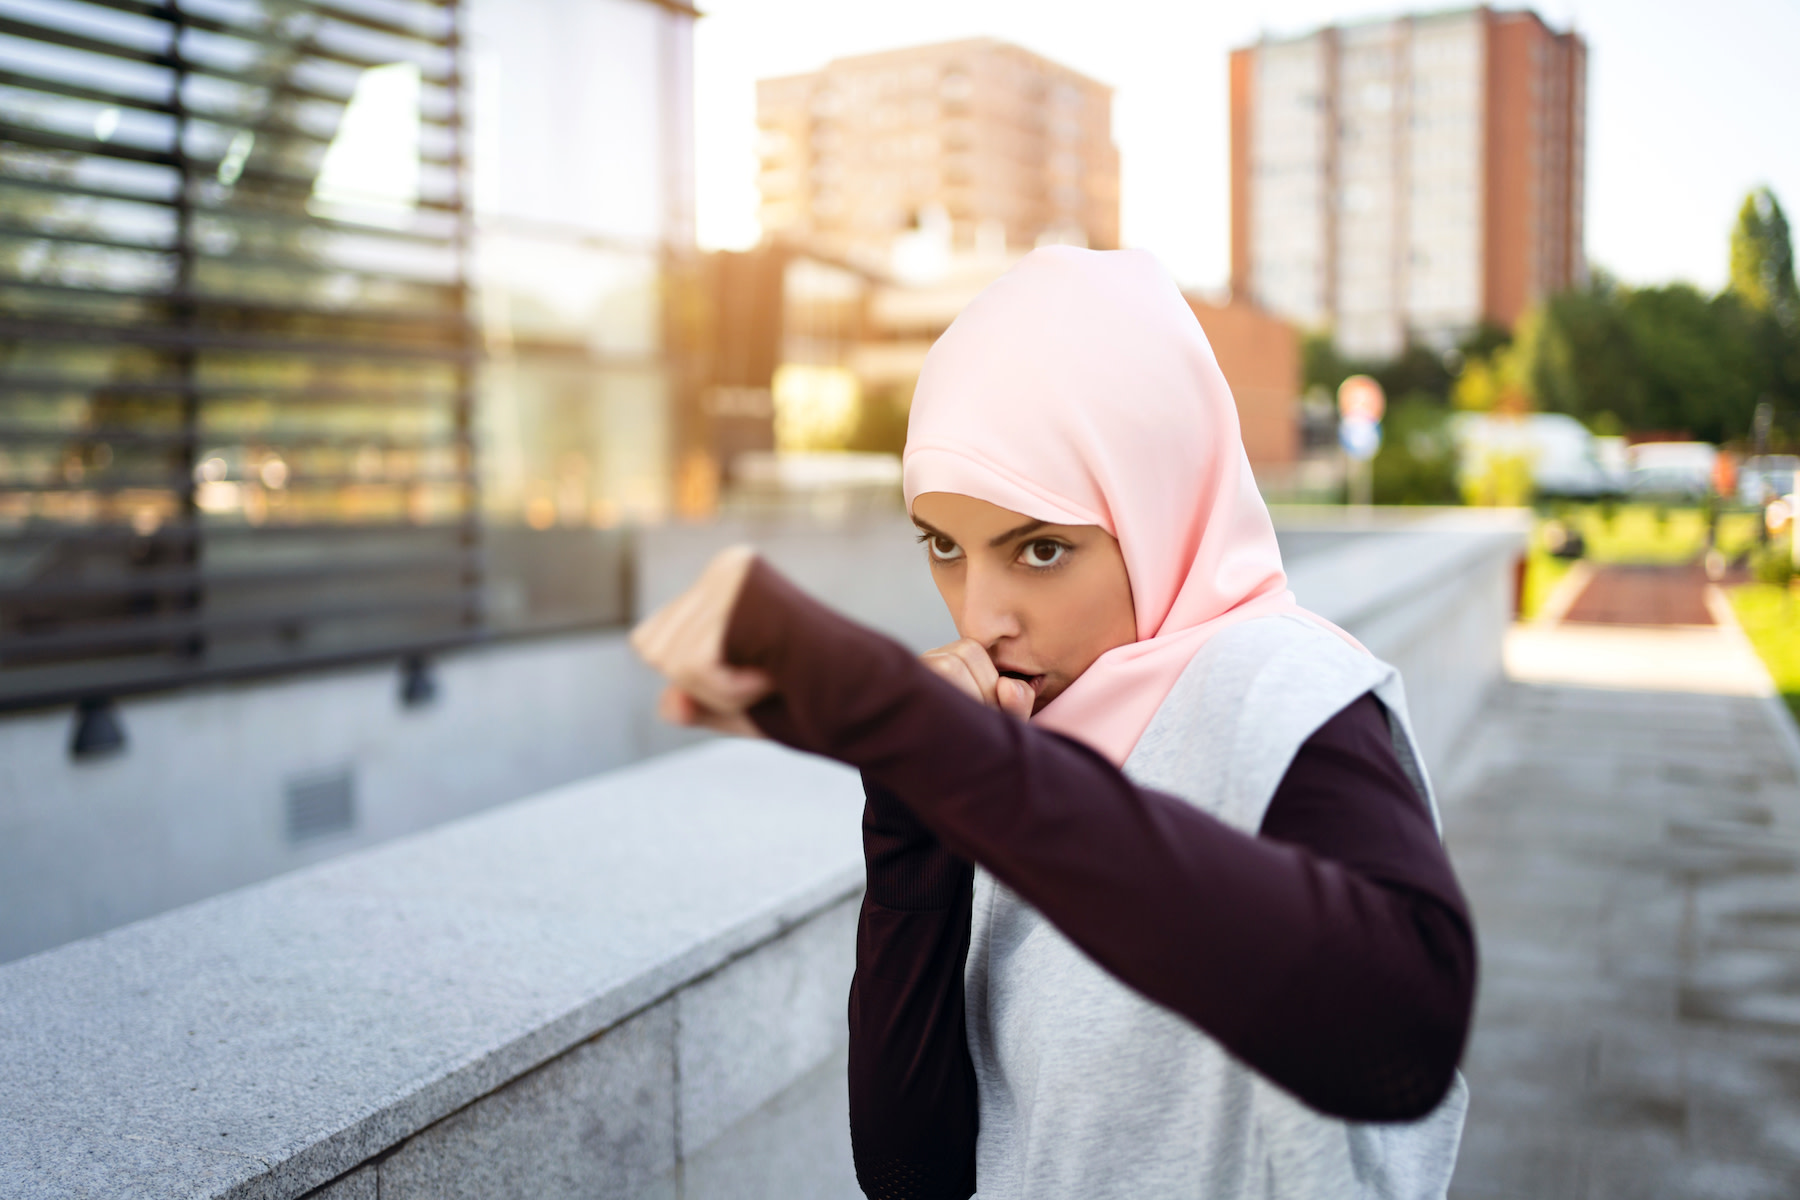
995, 543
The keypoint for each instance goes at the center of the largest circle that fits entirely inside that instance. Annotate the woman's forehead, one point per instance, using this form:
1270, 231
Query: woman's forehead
938, 507
968, 518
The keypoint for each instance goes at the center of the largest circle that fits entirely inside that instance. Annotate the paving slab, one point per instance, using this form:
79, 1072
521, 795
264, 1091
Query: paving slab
1630, 840
1644, 595
1637, 658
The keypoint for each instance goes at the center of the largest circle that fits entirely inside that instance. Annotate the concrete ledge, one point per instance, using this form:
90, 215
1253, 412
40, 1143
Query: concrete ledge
268, 1041
632, 985
1429, 591
196, 805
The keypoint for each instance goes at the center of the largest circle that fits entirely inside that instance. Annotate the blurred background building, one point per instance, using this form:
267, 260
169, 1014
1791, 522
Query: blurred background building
268, 276
895, 187
1259, 354
582, 232
1009, 148
1408, 179
331, 336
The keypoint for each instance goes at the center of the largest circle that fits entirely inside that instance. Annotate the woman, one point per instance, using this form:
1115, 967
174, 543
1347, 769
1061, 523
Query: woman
1156, 903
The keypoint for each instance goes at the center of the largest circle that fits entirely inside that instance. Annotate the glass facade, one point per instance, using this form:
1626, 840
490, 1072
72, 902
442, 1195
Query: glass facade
581, 147
327, 330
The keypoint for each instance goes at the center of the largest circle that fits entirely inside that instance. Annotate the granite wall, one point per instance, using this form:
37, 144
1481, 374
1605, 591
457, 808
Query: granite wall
629, 985
204, 797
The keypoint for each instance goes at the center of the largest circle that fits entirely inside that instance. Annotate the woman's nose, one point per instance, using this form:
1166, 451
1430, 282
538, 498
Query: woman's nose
988, 610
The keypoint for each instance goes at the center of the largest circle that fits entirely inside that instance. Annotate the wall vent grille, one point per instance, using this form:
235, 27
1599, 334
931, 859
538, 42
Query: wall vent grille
320, 805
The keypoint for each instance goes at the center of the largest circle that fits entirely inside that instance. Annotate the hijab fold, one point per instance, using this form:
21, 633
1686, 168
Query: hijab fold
1078, 389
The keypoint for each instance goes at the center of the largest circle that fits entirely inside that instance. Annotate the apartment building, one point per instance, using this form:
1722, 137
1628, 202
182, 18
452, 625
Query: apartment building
1407, 179
1009, 148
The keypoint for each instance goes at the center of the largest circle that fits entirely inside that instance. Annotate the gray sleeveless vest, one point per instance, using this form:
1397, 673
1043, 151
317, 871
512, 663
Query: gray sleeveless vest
1089, 1091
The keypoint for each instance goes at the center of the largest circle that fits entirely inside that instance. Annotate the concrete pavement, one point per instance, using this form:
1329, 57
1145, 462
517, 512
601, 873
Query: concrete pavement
1628, 831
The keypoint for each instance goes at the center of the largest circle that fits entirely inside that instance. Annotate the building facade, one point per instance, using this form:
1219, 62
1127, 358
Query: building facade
319, 343
1410, 179
1259, 355
1010, 149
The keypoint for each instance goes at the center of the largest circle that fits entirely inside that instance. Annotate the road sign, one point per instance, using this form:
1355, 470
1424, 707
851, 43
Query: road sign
1360, 398
1359, 438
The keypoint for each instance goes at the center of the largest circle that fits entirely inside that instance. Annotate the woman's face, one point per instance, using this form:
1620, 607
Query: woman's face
1044, 600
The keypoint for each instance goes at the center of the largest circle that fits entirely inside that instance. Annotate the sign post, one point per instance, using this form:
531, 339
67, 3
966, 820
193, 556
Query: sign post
1361, 405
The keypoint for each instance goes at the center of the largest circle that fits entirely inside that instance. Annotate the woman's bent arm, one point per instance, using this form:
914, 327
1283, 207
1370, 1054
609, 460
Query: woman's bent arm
1347, 982
912, 1086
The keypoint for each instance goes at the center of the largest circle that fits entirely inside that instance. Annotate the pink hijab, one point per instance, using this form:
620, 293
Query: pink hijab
1078, 389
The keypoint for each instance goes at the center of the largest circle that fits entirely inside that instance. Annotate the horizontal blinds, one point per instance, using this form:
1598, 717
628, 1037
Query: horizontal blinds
236, 359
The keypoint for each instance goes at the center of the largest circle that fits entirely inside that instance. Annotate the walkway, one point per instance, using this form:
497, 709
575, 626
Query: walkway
1629, 834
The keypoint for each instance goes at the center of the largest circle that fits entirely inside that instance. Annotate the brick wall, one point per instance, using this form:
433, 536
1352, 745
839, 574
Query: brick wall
1260, 356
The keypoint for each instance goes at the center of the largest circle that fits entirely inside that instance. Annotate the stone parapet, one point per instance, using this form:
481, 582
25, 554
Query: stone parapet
632, 985
573, 995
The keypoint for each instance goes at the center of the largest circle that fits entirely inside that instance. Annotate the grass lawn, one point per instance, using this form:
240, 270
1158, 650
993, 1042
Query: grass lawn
1653, 533
1628, 533
1771, 616
1648, 533
1542, 574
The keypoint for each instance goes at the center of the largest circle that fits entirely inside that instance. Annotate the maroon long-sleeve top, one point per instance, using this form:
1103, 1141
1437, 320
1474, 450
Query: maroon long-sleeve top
1332, 952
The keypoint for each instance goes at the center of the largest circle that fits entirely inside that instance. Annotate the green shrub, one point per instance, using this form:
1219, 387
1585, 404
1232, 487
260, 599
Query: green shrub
1417, 460
1772, 564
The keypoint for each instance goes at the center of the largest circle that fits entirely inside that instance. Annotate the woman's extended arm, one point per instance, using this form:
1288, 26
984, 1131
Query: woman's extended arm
1347, 980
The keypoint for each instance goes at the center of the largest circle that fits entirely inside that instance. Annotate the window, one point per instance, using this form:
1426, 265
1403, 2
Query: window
247, 311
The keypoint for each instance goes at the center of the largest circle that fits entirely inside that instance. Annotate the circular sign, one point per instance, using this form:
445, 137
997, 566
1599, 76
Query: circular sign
1360, 439
1360, 398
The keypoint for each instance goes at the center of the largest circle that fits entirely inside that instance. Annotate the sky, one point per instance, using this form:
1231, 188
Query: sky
1690, 105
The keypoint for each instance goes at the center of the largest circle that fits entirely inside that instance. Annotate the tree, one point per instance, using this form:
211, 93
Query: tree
1493, 382
1762, 257
1417, 460
1668, 359
1321, 366
1416, 369
1580, 359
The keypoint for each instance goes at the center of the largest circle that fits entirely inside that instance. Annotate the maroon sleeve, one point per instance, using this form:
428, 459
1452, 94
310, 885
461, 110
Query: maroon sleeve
1346, 978
912, 1087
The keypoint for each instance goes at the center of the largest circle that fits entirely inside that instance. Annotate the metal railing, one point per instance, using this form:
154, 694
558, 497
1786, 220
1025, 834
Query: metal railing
236, 406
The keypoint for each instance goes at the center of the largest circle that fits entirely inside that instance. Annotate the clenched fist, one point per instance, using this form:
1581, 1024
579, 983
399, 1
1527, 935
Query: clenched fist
684, 641
966, 664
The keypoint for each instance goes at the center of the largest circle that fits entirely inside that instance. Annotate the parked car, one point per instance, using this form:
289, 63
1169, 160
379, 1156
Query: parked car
1565, 458
1614, 456
1672, 470
1766, 476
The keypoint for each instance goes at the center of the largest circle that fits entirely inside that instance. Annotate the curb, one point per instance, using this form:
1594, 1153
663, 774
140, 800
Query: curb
1562, 597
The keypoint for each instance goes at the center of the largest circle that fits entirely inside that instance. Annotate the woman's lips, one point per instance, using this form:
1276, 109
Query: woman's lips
1036, 681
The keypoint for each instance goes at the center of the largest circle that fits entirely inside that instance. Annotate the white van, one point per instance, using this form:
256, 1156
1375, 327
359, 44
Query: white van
1681, 470
1565, 457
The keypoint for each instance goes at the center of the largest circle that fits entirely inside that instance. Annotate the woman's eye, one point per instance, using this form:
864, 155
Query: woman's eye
1044, 554
943, 549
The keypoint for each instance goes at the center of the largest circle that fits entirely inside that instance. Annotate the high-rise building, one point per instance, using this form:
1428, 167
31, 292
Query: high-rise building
1009, 148
1408, 179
